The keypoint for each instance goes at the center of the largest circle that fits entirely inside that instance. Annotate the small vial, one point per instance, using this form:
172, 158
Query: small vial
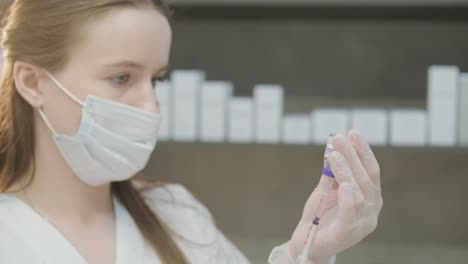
328, 150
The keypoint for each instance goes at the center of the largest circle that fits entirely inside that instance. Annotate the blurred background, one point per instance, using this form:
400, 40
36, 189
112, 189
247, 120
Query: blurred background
253, 153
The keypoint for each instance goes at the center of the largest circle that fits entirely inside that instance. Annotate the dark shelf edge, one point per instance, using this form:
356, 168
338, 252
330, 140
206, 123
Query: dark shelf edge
261, 12
312, 146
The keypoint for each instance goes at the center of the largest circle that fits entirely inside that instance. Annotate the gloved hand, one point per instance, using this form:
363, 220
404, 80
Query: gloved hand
352, 207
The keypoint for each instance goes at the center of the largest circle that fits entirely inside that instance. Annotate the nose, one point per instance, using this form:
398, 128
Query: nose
147, 99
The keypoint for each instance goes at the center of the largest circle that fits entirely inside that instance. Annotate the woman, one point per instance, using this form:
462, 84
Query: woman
78, 122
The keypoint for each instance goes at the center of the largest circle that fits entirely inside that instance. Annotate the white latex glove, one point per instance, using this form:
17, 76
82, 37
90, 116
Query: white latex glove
353, 206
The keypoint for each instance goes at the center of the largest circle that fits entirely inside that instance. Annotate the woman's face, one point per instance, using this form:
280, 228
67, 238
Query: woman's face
118, 57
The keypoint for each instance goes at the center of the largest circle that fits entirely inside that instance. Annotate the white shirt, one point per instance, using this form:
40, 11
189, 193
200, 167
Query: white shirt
25, 237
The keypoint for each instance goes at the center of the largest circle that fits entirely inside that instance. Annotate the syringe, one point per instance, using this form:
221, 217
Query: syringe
328, 180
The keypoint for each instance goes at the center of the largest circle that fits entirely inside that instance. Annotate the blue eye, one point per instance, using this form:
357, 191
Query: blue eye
121, 79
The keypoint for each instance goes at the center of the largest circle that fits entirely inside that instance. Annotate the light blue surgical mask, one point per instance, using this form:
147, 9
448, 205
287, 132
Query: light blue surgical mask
113, 143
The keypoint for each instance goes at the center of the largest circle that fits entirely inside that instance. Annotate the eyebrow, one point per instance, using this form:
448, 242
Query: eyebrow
132, 64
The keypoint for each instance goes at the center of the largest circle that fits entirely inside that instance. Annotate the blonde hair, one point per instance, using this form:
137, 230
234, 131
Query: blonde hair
40, 32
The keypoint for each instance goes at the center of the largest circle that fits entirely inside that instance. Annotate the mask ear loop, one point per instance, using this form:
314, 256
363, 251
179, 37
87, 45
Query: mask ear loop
59, 85
63, 89
47, 121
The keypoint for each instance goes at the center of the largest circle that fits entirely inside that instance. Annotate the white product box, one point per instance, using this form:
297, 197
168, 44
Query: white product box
268, 113
241, 120
186, 91
463, 112
408, 127
372, 124
297, 129
163, 94
215, 96
443, 105
328, 120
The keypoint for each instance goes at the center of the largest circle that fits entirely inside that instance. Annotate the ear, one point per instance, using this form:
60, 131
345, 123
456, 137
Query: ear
27, 77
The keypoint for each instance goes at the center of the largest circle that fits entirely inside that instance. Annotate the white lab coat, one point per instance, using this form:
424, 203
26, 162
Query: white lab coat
25, 237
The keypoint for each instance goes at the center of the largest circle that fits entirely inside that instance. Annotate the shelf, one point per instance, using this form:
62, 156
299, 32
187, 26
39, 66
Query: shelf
258, 191
319, 9
389, 150
424, 3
